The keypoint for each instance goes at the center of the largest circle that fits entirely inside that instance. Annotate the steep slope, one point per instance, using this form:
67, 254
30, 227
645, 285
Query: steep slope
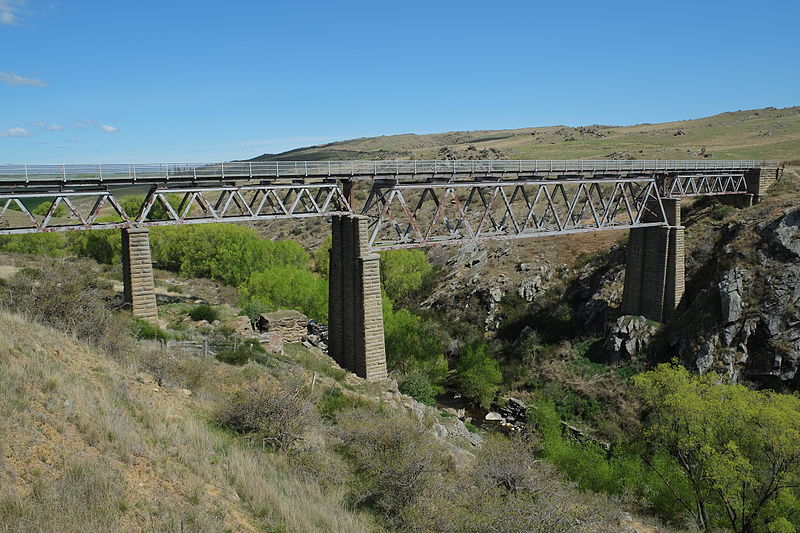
87, 444
768, 133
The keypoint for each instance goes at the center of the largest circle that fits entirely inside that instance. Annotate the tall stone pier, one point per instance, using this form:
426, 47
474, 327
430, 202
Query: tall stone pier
137, 274
655, 269
355, 314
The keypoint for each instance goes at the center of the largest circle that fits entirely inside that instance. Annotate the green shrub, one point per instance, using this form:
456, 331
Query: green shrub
235, 357
288, 287
478, 374
145, 330
335, 400
253, 309
42, 209
204, 312
403, 272
241, 354
418, 385
51, 244
721, 212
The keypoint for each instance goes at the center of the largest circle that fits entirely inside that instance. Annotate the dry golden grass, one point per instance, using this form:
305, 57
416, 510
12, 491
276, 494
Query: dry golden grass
85, 445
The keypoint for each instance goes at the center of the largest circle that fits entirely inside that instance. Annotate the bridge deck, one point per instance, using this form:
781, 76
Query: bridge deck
13, 176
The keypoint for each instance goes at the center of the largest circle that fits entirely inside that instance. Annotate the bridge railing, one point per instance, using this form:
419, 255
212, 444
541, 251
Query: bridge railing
130, 173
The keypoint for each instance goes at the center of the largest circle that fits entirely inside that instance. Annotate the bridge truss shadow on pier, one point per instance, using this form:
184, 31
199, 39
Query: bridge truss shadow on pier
380, 205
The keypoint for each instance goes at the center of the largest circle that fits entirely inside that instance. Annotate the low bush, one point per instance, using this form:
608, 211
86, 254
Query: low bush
395, 461
145, 330
418, 385
242, 353
335, 400
268, 414
204, 312
66, 295
721, 212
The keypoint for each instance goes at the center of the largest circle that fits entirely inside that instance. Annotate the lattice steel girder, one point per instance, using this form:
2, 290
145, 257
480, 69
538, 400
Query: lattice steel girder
407, 215
675, 186
195, 205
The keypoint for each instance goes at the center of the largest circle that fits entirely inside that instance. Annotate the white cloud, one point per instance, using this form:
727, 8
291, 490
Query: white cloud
15, 79
38, 124
55, 127
10, 11
108, 129
15, 132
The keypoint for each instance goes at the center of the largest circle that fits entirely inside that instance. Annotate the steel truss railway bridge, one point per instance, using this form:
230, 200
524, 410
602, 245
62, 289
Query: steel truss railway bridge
380, 205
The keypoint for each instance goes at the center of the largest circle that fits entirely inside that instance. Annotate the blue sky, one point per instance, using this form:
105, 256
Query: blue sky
115, 81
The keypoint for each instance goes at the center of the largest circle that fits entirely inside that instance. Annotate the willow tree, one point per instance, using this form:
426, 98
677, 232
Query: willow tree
739, 449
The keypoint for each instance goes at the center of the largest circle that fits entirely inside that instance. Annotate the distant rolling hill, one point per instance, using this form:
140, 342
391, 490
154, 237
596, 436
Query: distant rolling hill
768, 133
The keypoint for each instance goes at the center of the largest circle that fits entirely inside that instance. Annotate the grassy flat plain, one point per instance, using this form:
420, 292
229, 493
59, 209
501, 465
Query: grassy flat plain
768, 133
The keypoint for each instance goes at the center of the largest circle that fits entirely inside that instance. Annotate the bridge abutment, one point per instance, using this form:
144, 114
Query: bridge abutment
137, 274
759, 180
655, 268
355, 313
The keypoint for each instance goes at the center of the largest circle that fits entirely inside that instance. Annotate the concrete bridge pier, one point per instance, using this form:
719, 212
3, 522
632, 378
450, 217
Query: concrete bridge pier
655, 270
355, 313
137, 274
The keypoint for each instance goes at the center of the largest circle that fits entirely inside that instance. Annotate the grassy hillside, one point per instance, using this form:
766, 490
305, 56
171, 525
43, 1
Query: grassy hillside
754, 134
88, 444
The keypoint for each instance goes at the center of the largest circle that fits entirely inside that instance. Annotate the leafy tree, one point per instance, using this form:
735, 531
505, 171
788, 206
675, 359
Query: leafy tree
42, 209
224, 252
738, 449
415, 347
403, 272
104, 246
478, 374
322, 257
288, 287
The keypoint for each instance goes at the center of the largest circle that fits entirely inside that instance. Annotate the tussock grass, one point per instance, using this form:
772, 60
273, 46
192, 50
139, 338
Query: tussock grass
85, 446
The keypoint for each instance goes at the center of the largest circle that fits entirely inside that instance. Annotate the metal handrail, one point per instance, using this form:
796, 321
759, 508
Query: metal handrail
109, 173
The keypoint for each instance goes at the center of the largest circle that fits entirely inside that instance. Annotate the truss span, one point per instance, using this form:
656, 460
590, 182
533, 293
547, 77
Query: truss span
409, 215
101, 209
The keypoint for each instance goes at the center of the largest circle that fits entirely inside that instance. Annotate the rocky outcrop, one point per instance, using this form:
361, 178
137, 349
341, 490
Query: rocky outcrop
785, 233
629, 337
753, 334
537, 280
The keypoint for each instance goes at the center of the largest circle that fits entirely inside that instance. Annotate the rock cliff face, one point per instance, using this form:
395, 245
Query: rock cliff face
754, 332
